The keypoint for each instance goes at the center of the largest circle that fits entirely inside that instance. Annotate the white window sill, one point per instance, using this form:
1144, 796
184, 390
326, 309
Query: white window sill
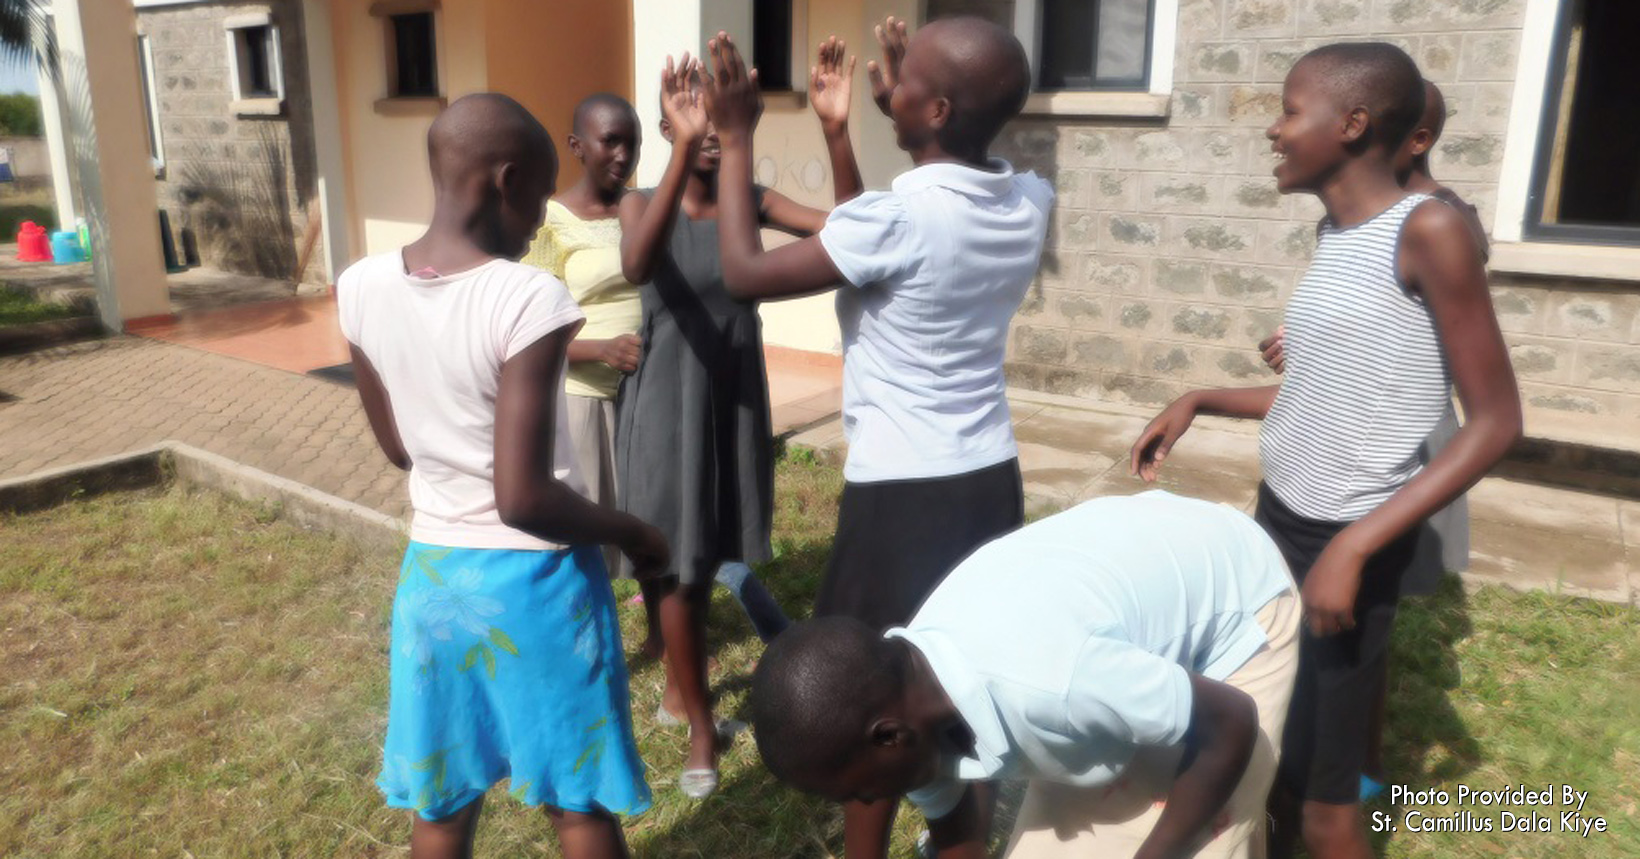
257, 106
1132, 105
1602, 262
785, 100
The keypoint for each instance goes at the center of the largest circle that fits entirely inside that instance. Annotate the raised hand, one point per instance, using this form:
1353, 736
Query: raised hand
730, 92
681, 103
831, 83
885, 76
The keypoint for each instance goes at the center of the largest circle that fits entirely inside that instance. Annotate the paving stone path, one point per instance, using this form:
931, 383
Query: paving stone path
73, 403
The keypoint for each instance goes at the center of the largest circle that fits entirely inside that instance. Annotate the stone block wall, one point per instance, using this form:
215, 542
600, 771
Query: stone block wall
1171, 253
242, 183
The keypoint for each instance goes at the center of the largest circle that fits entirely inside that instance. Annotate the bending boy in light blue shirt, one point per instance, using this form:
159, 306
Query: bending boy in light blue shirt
1132, 657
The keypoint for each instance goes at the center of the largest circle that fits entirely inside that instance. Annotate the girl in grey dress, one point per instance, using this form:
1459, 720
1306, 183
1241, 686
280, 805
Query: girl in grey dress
694, 446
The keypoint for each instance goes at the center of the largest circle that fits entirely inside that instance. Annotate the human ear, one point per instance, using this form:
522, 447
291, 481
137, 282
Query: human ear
666, 131
1423, 140
939, 113
1356, 123
576, 147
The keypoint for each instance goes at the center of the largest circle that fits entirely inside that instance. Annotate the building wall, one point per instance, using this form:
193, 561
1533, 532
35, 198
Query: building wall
389, 190
546, 55
243, 184
1171, 253
549, 62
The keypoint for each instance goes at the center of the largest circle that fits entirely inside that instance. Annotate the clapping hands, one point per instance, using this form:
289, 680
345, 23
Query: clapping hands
730, 92
831, 84
885, 76
681, 104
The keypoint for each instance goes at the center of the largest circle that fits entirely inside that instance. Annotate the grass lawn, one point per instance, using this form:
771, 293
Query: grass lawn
19, 307
183, 675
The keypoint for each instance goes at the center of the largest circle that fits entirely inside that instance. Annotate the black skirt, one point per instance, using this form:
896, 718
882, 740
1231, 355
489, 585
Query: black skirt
897, 539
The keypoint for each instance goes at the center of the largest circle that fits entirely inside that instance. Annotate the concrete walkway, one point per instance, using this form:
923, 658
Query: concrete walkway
73, 403
1523, 535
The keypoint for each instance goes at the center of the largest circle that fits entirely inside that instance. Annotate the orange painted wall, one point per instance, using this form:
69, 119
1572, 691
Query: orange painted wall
550, 55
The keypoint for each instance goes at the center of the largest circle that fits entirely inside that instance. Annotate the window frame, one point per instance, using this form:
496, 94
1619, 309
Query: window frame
796, 95
254, 103
394, 81
1028, 17
1152, 101
1554, 84
150, 97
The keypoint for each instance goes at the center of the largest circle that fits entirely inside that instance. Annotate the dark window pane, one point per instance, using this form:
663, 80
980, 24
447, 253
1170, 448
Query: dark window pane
1094, 44
255, 74
415, 64
772, 43
1593, 173
999, 12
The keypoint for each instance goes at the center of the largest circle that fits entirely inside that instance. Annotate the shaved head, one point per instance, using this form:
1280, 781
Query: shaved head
1375, 75
483, 131
980, 68
601, 103
1434, 117
494, 166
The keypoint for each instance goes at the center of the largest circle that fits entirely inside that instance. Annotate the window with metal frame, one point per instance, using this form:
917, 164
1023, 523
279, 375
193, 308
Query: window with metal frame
1074, 45
1586, 179
254, 66
772, 47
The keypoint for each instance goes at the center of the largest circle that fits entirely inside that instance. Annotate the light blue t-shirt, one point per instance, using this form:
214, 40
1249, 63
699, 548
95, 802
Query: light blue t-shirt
1068, 644
937, 267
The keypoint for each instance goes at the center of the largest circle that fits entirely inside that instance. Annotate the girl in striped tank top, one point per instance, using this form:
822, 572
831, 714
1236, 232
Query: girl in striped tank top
1392, 311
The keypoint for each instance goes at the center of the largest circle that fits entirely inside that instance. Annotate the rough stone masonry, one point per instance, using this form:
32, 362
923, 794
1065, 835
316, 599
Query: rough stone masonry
1171, 254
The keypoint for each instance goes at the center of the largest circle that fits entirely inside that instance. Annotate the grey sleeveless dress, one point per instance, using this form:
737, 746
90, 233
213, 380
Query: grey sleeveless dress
694, 447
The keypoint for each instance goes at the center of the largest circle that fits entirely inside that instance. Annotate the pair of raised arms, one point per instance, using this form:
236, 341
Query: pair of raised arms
691, 93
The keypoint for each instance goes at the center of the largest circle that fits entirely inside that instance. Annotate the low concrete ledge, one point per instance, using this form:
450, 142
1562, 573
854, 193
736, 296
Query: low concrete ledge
16, 339
172, 460
297, 502
110, 474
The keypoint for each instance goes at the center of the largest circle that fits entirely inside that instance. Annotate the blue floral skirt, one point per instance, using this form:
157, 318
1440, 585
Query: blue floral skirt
508, 664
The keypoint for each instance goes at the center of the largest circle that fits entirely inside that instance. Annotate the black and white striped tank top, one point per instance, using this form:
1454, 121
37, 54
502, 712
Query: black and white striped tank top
1365, 379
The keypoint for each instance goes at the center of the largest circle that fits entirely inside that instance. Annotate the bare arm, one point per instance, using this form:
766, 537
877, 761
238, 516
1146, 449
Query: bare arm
646, 224
528, 494
379, 410
965, 833
621, 352
1223, 728
800, 268
1156, 441
782, 212
831, 87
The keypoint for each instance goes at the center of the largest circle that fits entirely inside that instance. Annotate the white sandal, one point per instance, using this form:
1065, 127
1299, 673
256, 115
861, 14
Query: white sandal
698, 784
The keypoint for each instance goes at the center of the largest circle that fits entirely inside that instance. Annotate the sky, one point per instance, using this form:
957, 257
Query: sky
18, 76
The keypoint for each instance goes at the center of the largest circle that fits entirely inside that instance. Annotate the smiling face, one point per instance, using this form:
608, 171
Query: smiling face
607, 144
1309, 138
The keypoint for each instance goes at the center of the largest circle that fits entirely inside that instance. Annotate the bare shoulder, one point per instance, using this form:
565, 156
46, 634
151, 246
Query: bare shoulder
1439, 249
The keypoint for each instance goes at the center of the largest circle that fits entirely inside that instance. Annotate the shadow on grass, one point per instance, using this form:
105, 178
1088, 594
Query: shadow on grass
1425, 740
